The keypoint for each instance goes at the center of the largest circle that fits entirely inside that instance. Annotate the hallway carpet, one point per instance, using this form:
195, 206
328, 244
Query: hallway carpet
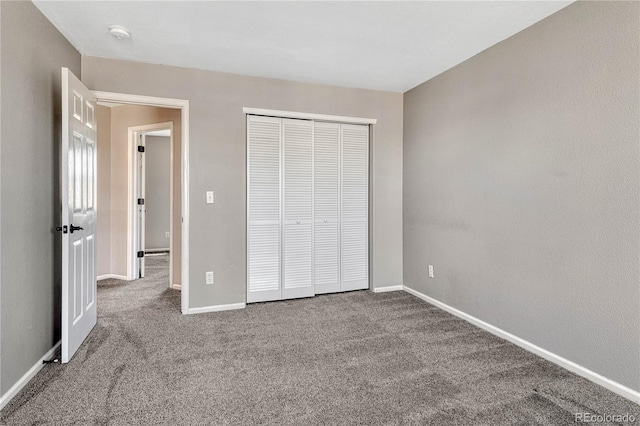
351, 358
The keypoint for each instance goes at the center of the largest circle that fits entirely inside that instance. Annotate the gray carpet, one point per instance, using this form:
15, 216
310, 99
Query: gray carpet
351, 358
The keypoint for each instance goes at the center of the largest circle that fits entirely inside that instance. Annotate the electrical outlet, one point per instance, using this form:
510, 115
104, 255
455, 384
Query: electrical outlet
210, 198
209, 277
430, 271
166, 234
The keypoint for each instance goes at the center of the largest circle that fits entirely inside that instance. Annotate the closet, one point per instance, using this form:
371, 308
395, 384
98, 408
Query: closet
307, 207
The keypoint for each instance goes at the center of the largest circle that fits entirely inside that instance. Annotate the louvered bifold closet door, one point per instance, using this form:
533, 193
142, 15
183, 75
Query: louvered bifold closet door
355, 201
297, 140
326, 147
264, 213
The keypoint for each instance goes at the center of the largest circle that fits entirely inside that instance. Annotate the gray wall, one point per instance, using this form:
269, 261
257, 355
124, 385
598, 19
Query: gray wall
33, 52
157, 202
521, 187
217, 160
103, 118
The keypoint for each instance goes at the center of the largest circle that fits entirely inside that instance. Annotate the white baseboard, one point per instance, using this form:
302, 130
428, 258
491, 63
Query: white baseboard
176, 286
114, 276
17, 387
613, 386
216, 308
386, 289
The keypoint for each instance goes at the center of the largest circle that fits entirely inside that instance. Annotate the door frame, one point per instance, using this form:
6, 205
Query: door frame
132, 222
183, 106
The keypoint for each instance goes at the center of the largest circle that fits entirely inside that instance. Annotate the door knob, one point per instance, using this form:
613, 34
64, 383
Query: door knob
75, 228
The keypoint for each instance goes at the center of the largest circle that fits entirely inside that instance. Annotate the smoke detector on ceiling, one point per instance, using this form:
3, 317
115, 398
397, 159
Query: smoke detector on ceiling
121, 33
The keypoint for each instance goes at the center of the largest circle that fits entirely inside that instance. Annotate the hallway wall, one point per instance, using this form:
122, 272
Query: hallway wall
156, 199
103, 119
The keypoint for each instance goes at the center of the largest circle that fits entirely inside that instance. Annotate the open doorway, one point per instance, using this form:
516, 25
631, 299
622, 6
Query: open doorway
143, 215
153, 186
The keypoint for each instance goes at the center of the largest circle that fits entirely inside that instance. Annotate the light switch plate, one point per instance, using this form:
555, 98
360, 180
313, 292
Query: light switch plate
210, 198
430, 271
209, 277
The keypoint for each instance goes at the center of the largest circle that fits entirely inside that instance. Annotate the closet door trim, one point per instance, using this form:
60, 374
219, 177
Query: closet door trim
309, 116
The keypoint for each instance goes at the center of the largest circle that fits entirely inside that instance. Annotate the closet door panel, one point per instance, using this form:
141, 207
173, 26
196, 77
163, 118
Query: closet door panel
355, 207
326, 207
297, 142
326, 258
298, 261
355, 262
264, 266
263, 210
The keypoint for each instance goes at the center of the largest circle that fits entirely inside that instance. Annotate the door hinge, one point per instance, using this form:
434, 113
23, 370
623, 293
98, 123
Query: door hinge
140, 201
140, 148
140, 254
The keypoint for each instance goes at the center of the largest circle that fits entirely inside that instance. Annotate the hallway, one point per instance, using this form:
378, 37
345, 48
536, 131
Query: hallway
116, 296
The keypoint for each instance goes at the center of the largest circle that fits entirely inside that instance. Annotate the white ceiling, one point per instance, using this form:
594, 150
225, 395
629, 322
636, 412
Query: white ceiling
392, 46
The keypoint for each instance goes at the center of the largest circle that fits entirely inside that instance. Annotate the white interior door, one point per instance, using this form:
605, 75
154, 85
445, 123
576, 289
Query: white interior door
263, 209
326, 146
78, 187
354, 232
297, 238
141, 202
